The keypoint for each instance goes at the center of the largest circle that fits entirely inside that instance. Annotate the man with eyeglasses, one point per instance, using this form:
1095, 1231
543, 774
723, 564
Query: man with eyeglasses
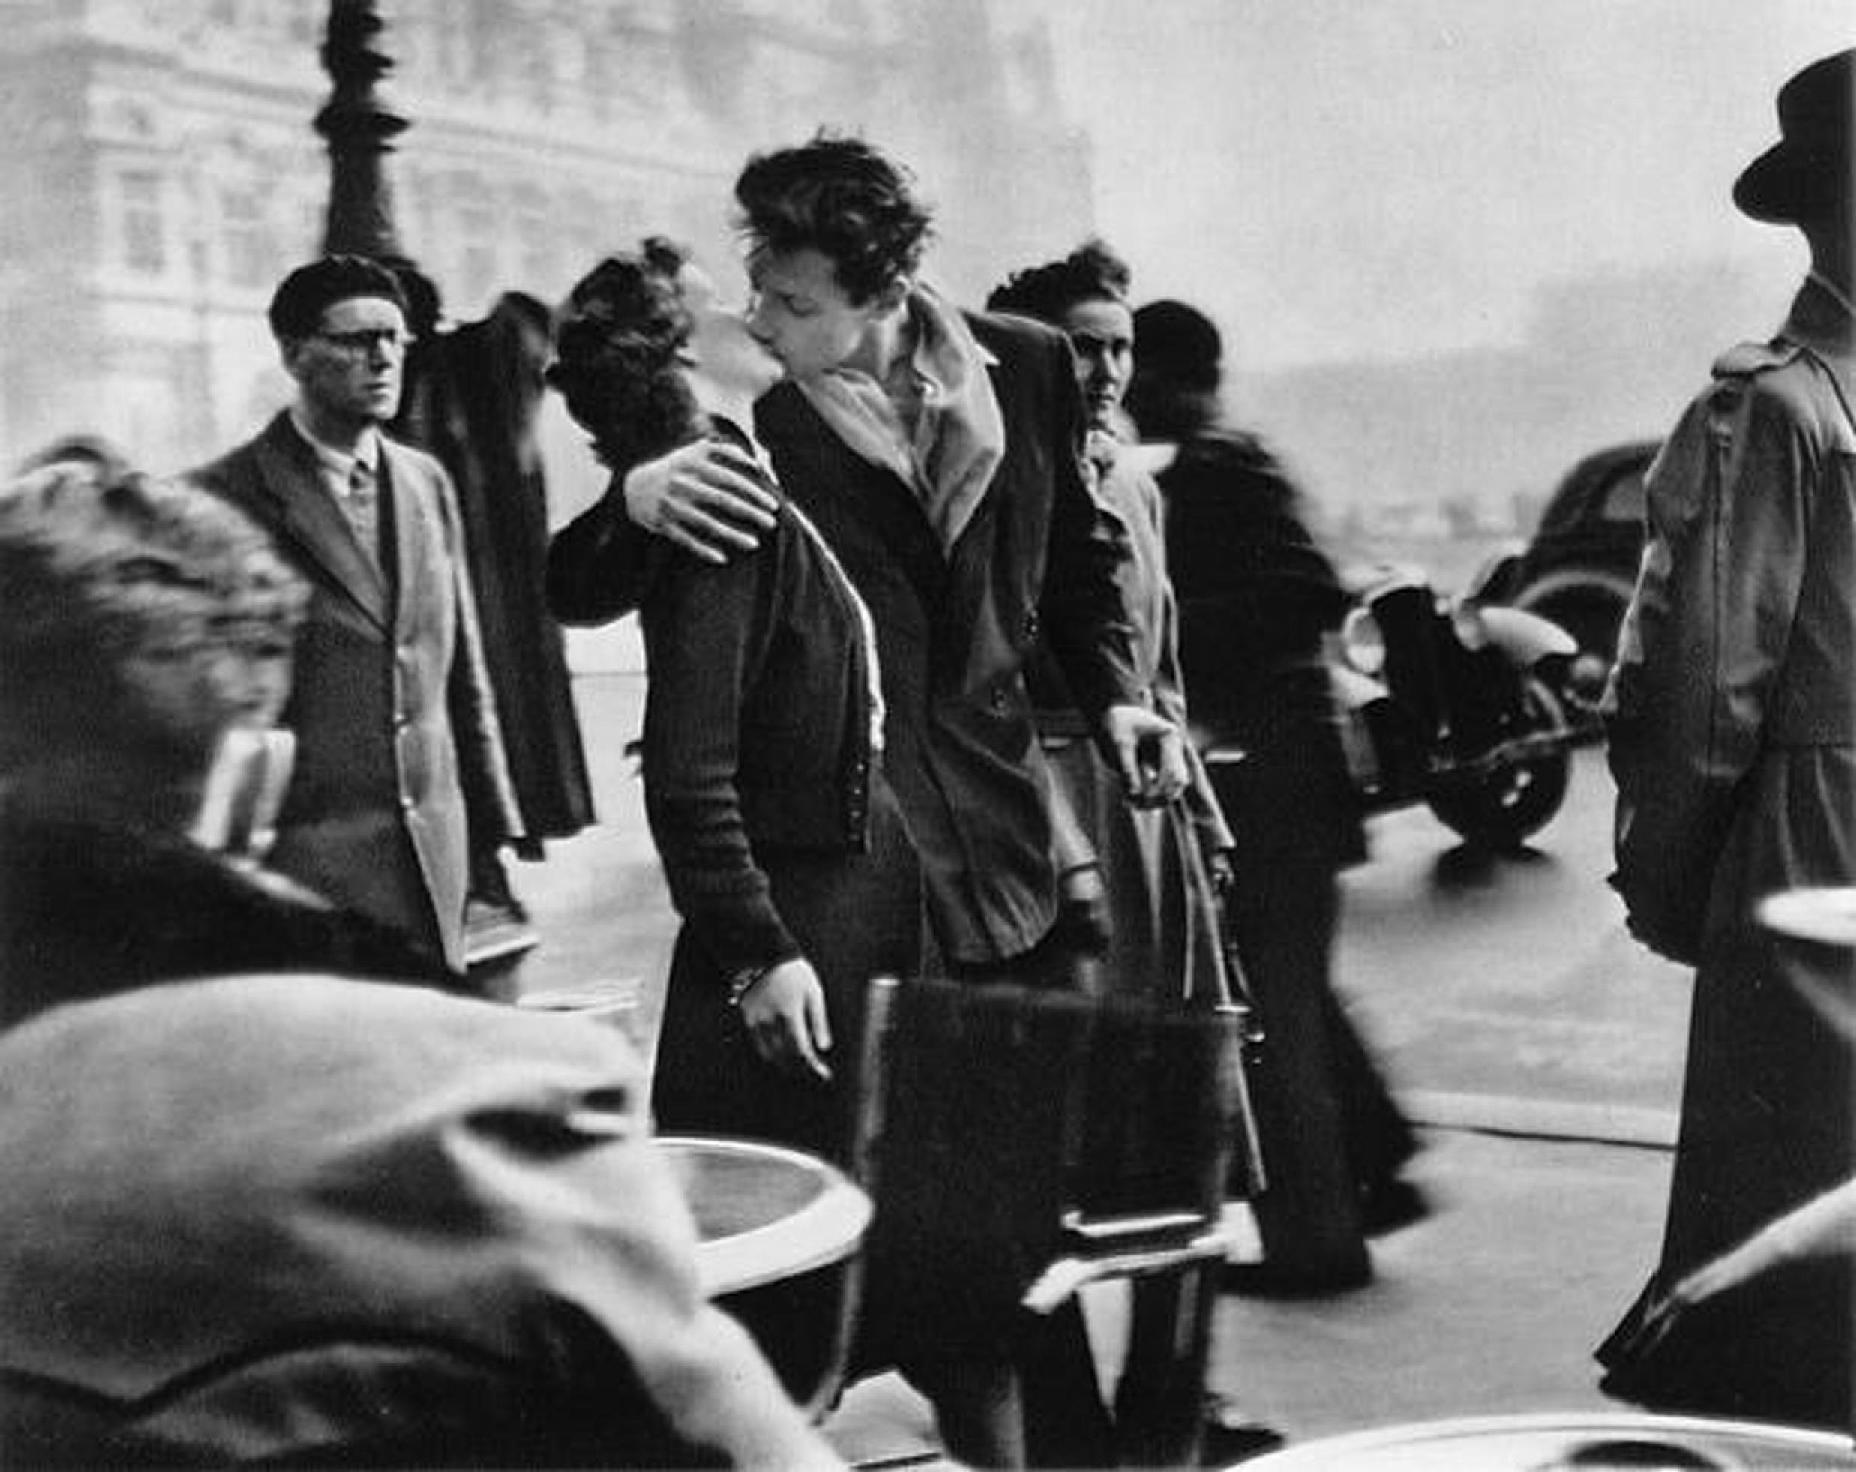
399, 755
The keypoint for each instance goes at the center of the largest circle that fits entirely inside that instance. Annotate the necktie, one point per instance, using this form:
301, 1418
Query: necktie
362, 508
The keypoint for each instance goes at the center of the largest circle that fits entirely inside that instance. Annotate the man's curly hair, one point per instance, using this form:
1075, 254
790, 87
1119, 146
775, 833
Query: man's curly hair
1090, 273
105, 568
841, 197
617, 345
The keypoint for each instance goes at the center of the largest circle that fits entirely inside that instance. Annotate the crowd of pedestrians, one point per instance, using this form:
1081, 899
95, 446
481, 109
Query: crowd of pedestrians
980, 645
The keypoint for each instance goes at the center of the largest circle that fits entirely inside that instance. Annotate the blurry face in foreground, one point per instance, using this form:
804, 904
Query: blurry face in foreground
1102, 333
720, 349
190, 689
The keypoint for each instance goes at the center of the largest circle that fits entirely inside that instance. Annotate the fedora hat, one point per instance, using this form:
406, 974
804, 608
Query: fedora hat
1808, 169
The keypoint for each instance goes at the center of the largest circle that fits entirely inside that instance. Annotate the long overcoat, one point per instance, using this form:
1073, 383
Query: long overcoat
1733, 741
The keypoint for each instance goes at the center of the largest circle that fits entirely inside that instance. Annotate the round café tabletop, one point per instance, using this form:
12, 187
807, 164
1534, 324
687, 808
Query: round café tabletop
764, 1212
1549, 1443
1826, 915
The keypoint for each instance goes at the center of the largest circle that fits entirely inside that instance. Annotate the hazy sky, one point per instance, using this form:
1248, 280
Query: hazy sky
1341, 178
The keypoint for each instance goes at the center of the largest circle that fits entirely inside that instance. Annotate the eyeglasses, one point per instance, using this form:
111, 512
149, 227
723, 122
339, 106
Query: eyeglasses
364, 342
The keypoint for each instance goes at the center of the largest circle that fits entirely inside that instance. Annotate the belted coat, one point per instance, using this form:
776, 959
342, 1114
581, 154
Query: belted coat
1733, 742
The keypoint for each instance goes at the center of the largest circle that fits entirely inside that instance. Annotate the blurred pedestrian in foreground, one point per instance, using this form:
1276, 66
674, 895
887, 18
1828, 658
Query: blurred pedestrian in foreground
782, 844
399, 752
1733, 742
94, 450
937, 453
1255, 596
144, 659
263, 1206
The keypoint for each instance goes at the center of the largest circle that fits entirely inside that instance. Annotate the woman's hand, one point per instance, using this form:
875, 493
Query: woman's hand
1150, 754
785, 1017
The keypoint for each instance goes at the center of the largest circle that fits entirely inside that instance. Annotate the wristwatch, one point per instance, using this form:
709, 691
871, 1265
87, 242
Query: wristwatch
743, 980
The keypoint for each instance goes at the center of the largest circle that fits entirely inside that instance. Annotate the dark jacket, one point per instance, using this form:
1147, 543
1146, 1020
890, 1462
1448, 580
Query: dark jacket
1255, 591
756, 723
86, 911
1255, 594
399, 753
473, 396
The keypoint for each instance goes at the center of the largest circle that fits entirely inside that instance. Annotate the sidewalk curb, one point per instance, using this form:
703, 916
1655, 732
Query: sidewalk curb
1549, 1119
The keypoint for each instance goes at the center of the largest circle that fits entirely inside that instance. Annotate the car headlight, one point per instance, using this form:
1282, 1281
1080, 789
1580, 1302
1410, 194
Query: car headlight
1362, 644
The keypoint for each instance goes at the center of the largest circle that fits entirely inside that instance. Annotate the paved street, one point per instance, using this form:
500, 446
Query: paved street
1503, 988
1540, 1049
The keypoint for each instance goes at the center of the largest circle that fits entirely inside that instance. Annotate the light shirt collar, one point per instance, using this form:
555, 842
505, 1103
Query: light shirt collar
338, 464
959, 437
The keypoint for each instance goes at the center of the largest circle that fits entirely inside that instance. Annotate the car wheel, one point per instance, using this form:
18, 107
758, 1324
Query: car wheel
1505, 806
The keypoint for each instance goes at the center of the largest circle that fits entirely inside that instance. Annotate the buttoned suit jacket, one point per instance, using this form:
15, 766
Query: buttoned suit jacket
399, 752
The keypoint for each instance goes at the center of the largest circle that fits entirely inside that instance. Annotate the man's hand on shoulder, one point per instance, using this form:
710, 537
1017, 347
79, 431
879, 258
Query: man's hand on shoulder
706, 497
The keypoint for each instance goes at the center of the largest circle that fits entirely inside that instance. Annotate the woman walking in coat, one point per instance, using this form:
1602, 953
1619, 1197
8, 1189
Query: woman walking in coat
1255, 595
783, 848
1156, 863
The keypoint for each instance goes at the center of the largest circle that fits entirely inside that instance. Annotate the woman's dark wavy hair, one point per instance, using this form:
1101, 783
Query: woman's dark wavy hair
617, 341
839, 196
1090, 273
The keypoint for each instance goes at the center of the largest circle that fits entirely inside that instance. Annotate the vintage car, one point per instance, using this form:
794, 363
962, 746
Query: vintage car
1581, 565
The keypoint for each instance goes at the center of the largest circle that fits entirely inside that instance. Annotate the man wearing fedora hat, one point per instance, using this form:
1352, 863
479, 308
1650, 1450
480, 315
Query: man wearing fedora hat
1732, 719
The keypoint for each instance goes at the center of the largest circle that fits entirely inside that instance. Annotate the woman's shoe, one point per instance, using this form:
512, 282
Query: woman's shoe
1391, 1203
1227, 1435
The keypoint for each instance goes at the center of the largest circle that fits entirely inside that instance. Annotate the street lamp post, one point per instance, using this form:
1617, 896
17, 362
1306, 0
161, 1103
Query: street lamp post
360, 129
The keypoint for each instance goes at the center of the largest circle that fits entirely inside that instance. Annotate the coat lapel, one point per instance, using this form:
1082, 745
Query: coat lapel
300, 512
970, 558
403, 519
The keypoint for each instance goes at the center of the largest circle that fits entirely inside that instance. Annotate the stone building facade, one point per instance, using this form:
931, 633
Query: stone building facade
164, 172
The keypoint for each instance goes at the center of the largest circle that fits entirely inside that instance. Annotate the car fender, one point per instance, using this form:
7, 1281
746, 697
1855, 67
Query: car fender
1525, 638
1352, 690
1494, 580
1582, 581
